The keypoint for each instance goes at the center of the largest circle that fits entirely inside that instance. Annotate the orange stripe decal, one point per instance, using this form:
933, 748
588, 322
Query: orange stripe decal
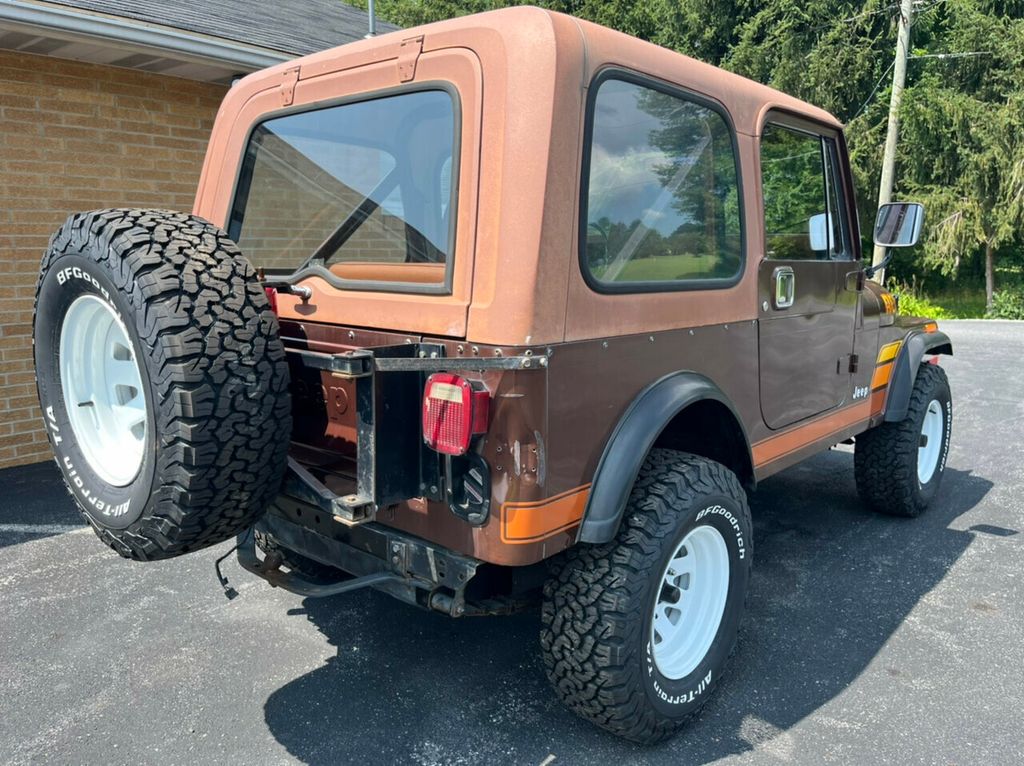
797, 438
877, 401
786, 443
530, 522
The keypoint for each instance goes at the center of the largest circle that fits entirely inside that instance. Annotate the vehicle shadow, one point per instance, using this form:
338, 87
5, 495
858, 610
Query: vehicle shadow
831, 584
35, 504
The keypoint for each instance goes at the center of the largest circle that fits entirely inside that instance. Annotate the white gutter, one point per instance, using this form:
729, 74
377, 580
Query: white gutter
76, 25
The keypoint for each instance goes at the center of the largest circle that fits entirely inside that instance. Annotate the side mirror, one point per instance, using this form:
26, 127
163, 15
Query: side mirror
899, 224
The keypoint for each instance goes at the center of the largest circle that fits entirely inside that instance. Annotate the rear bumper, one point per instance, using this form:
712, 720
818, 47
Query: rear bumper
406, 567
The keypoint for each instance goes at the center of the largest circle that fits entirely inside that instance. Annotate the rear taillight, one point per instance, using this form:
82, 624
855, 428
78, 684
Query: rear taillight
272, 297
453, 412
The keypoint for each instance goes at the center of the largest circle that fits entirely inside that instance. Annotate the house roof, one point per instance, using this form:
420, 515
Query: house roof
208, 40
294, 27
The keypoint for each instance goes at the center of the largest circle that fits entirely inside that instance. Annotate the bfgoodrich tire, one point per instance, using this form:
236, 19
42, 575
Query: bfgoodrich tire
899, 466
636, 633
161, 378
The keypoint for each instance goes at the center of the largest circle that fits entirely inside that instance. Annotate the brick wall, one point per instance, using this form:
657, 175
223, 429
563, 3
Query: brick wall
77, 137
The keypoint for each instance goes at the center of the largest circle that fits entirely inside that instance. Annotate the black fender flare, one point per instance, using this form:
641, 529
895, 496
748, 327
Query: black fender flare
634, 435
912, 352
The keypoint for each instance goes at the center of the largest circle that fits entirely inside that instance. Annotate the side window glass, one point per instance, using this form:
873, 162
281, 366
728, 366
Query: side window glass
804, 208
662, 200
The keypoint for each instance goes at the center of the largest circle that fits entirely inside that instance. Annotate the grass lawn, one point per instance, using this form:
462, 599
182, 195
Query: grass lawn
964, 300
961, 303
665, 268
947, 302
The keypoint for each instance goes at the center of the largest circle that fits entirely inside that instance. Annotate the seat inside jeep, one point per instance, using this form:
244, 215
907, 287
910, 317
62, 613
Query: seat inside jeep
419, 273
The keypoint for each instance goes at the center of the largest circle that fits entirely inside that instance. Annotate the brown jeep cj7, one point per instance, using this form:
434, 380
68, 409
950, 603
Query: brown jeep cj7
506, 308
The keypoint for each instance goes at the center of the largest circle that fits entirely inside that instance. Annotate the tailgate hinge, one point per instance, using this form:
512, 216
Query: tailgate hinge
288, 79
408, 54
854, 362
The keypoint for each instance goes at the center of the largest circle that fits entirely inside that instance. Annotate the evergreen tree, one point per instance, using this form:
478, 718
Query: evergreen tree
961, 149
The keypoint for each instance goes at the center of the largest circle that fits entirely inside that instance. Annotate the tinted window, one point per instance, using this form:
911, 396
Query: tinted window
804, 211
372, 177
662, 190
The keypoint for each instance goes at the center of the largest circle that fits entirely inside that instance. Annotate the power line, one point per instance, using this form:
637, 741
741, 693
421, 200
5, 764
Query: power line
885, 9
873, 92
939, 56
951, 55
922, 8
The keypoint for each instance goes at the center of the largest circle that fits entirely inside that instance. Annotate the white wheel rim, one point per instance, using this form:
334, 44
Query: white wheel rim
103, 390
690, 603
930, 443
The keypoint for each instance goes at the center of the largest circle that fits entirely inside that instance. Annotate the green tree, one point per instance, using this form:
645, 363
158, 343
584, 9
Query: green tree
702, 28
410, 13
961, 147
962, 143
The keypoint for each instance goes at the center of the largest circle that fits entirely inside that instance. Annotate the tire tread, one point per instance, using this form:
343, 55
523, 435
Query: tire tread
885, 457
217, 367
594, 607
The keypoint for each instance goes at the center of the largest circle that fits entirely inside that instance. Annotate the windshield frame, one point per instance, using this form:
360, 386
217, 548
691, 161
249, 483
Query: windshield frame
319, 268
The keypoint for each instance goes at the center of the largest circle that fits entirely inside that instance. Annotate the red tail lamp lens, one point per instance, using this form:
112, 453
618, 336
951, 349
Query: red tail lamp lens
272, 297
453, 411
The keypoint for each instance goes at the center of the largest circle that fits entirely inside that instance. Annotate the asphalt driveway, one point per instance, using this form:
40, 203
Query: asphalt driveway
867, 639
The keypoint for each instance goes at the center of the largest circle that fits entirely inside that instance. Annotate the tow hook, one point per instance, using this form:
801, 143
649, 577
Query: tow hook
300, 291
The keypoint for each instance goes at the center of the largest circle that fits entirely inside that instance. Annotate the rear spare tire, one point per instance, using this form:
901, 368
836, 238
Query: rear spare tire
162, 380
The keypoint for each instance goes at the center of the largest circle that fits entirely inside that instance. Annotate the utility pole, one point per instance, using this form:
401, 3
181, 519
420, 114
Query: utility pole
371, 16
899, 77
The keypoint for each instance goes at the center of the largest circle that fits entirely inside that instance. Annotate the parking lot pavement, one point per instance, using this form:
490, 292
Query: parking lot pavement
867, 639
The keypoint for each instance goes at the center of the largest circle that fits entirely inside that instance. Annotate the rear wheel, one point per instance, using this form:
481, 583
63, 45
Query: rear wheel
162, 380
899, 466
636, 633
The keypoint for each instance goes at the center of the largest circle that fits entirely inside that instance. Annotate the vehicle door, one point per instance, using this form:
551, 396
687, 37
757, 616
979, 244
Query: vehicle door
807, 313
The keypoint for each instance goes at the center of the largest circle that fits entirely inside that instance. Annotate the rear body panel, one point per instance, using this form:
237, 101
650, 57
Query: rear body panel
549, 425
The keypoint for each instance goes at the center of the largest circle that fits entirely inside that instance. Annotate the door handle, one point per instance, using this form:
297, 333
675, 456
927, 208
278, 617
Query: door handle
784, 281
855, 281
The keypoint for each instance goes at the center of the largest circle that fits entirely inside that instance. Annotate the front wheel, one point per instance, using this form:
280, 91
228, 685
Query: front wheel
899, 466
636, 633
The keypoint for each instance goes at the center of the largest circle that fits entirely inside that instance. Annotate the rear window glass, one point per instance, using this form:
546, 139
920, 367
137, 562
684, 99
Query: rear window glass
662, 203
363, 189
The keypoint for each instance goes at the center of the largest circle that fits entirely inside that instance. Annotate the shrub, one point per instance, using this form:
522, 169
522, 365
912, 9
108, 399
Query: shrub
916, 304
912, 305
1007, 304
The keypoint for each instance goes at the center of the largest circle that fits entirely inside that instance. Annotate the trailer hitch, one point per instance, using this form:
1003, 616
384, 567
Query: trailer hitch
269, 568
